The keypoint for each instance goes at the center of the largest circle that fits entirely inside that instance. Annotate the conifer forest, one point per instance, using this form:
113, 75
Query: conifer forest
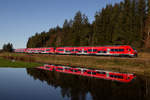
124, 23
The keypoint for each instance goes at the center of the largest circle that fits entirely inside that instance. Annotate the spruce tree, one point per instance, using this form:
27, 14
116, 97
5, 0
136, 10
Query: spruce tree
77, 26
147, 27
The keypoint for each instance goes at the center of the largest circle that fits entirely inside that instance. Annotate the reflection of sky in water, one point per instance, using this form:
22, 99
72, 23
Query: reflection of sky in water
15, 84
36, 84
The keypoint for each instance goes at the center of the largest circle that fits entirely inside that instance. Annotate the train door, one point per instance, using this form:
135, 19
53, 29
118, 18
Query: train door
108, 51
64, 50
107, 74
82, 51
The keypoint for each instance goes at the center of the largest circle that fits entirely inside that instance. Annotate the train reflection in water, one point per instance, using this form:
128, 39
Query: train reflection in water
77, 87
115, 76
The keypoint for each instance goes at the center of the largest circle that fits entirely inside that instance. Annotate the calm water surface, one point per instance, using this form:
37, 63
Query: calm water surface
36, 84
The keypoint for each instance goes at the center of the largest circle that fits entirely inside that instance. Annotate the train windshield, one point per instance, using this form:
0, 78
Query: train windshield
134, 49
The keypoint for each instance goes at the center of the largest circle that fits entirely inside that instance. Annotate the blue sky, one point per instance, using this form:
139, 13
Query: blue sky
20, 19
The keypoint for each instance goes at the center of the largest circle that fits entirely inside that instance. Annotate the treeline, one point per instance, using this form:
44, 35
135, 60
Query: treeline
7, 47
126, 23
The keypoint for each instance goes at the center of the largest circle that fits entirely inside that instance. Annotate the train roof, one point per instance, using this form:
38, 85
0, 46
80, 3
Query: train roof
78, 46
95, 46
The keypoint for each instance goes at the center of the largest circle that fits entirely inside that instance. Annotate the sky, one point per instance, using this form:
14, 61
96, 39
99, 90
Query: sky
20, 19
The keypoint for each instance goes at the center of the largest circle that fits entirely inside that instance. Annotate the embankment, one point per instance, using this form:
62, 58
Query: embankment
140, 65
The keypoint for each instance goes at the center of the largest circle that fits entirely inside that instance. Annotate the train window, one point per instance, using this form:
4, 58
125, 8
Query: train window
99, 51
79, 70
72, 50
84, 71
48, 49
101, 72
71, 70
121, 77
89, 50
47, 67
66, 68
129, 49
94, 73
60, 49
112, 50
59, 69
94, 50
79, 51
75, 70
116, 76
85, 51
128, 78
121, 50
116, 50
104, 51
111, 75
67, 50
76, 50
89, 72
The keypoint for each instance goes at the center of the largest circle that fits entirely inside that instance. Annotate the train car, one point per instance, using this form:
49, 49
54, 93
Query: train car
108, 75
120, 50
115, 51
103, 50
22, 50
49, 50
64, 50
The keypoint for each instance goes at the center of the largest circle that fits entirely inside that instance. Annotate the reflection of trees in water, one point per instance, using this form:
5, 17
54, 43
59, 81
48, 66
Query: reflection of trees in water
76, 87
147, 88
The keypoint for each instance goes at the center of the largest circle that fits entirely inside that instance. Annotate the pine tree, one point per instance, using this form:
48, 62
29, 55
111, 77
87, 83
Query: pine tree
8, 47
118, 37
77, 26
141, 17
85, 31
147, 27
67, 34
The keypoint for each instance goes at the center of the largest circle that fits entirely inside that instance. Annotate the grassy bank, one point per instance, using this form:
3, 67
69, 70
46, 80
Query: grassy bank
140, 65
17, 64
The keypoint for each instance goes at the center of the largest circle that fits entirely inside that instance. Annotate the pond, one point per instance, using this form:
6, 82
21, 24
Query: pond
37, 84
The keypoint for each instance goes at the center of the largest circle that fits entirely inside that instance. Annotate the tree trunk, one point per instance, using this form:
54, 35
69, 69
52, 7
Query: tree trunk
147, 41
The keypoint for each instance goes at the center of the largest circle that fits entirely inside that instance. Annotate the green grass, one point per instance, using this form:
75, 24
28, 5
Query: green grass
17, 64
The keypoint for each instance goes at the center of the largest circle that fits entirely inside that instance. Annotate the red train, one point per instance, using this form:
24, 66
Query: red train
40, 50
20, 50
115, 76
122, 50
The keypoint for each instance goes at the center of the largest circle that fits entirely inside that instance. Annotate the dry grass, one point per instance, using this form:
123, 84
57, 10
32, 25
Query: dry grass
140, 65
